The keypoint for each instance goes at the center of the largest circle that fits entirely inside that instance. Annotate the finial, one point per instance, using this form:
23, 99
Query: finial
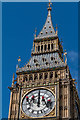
49, 8
19, 59
56, 29
65, 53
35, 32
13, 80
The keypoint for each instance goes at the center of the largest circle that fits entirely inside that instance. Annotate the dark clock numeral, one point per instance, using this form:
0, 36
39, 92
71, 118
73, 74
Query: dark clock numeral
32, 111
29, 108
37, 112
42, 111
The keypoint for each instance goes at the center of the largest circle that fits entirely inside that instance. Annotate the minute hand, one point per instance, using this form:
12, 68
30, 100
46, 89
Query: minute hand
38, 104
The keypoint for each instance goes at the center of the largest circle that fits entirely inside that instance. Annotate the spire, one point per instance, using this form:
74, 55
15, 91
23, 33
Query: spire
49, 8
35, 33
48, 30
19, 60
13, 79
56, 30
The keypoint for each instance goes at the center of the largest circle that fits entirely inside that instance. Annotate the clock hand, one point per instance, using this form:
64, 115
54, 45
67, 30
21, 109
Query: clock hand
38, 104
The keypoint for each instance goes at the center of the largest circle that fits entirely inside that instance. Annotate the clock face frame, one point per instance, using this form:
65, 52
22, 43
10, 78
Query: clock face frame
38, 102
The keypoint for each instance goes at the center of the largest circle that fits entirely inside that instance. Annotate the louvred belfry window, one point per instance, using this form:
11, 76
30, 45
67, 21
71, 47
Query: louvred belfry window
38, 48
52, 46
46, 76
35, 77
56, 75
51, 74
41, 47
48, 46
40, 76
45, 47
30, 77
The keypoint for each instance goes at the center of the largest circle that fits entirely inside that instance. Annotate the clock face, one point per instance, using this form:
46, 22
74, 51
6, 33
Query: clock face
38, 103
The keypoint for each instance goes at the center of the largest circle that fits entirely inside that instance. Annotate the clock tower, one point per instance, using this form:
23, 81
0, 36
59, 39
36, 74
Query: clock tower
44, 88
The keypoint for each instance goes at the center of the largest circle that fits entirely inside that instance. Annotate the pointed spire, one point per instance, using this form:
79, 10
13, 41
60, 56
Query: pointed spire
49, 8
13, 79
48, 30
65, 54
35, 32
19, 60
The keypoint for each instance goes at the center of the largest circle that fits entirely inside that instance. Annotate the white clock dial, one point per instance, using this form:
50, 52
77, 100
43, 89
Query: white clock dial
38, 103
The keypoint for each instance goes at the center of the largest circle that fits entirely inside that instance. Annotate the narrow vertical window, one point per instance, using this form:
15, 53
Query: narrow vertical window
52, 46
48, 46
51, 74
56, 75
41, 47
38, 48
45, 47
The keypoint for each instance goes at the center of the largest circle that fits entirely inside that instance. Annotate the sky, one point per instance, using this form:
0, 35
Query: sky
19, 21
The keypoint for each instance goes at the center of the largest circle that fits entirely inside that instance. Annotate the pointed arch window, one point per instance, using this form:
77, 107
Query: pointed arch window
45, 47
45, 75
30, 77
41, 47
40, 76
52, 46
56, 75
43, 59
35, 76
48, 46
38, 48
51, 74
52, 58
47, 63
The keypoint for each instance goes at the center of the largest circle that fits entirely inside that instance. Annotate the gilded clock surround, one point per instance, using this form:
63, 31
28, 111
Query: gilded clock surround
26, 91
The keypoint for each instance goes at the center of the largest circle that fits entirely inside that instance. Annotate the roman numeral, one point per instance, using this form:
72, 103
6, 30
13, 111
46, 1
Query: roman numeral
29, 108
37, 112
32, 111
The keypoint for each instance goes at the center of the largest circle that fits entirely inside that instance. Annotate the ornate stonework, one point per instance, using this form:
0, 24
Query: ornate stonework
46, 71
